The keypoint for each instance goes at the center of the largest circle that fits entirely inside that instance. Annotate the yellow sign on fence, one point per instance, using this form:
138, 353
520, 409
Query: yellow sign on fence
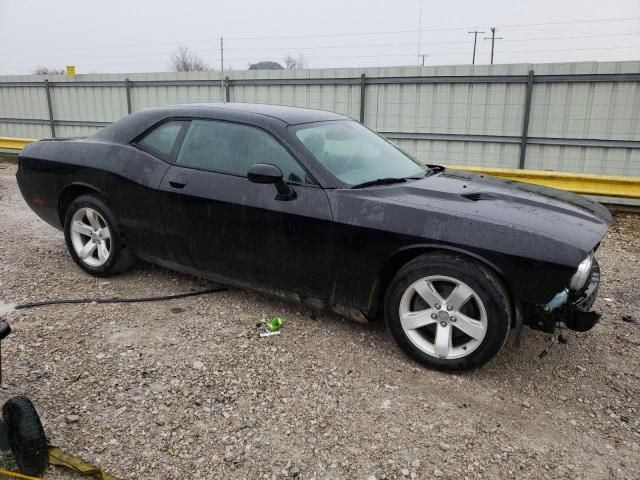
71, 70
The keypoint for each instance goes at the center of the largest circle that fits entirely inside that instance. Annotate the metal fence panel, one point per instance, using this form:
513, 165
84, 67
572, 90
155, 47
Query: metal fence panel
103, 104
586, 110
583, 116
479, 109
23, 102
499, 155
68, 131
24, 130
603, 161
342, 99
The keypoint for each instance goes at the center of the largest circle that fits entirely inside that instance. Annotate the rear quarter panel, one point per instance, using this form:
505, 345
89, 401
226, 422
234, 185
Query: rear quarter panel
127, 177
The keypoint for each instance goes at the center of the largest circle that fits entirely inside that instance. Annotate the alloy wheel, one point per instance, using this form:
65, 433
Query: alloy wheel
443, 317
91, 237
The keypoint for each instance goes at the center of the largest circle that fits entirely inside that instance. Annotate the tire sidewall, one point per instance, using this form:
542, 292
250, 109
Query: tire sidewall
26, 435
97, 204
483, 282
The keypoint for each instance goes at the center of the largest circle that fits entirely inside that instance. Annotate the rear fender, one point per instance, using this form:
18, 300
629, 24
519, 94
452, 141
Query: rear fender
69, 193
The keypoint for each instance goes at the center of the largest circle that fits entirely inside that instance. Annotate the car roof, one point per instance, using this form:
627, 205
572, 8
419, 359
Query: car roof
290, 115
128, 128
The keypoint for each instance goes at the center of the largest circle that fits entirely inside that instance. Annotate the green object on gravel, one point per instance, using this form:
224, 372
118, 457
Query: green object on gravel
274, 324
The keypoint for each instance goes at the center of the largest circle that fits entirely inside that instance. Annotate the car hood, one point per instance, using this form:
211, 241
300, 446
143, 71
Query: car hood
565, 217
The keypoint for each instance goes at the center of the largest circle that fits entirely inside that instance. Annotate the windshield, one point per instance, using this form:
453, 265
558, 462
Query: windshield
355, 154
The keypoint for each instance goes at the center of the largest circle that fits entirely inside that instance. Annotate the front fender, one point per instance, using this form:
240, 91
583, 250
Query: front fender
528, 281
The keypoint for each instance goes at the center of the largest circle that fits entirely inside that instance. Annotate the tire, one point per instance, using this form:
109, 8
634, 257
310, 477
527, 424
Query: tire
26, 436
447, 332
89, 222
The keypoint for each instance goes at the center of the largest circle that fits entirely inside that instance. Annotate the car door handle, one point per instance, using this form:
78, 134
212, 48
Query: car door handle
178, 183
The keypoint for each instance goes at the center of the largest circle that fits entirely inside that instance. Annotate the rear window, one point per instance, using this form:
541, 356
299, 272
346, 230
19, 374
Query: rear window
163, 138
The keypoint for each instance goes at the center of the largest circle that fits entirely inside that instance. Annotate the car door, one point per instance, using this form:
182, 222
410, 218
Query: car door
134, 192
219, 222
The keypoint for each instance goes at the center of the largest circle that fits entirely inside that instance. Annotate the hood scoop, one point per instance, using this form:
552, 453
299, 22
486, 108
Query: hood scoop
478, 196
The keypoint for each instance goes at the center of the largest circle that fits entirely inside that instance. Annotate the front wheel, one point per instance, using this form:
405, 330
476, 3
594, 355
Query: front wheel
448, 312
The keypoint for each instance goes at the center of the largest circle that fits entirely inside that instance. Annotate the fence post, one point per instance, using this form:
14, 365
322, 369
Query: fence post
363, 86
525, 120
227, 93
50, 108
127, 87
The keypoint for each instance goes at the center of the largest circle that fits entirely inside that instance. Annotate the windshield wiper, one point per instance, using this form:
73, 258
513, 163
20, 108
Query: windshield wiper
380, 181
433, 170
391, 180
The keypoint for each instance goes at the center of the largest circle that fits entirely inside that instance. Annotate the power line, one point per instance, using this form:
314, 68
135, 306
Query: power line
439, 29
566, 22
457, 53
129, 55
573, 49
407, 55
250, 58
391, 32
456, 42
570, 38
23, 60
284, 37
227, 49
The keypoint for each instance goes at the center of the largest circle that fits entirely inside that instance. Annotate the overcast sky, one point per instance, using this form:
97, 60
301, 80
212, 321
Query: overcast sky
139, 35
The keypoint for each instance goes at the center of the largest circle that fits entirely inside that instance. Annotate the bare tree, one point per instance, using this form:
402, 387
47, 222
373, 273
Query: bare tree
41, 70
292, 63
184, 60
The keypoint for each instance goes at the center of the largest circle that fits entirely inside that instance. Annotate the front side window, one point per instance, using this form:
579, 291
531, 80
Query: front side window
233, 148
354, 154
162, 138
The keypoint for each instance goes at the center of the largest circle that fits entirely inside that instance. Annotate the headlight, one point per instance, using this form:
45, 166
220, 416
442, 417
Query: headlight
582, 274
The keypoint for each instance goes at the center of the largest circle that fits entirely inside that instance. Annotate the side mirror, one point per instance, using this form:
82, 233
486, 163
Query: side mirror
268, 173
264, 173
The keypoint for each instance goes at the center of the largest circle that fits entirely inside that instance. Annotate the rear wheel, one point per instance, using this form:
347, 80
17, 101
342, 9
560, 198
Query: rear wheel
448, 312
94, 239
26, 436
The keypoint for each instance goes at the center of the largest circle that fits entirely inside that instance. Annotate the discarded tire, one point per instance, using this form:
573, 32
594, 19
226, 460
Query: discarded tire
26, 436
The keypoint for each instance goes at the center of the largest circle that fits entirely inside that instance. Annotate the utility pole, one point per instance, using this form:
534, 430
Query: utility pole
222, 67
420, 33
423, 57
493, 40
475, 40
221, 55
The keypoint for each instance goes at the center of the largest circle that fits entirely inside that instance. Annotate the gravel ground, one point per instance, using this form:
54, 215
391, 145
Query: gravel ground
187, 389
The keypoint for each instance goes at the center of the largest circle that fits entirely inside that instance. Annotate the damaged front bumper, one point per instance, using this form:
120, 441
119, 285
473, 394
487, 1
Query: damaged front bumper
570, 309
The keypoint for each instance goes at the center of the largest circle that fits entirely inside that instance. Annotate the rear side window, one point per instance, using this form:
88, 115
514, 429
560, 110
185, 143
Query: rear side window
162, 138
232, 148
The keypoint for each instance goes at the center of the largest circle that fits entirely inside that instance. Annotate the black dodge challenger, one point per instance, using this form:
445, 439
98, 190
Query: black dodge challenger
314, 207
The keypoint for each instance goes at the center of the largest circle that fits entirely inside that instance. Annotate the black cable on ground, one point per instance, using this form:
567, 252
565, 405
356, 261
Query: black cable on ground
119, 300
